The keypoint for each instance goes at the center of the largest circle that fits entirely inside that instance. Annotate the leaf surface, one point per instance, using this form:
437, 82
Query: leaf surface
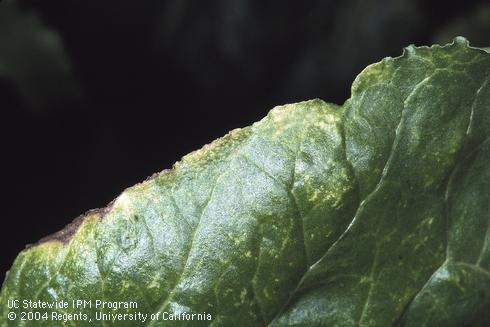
374, 213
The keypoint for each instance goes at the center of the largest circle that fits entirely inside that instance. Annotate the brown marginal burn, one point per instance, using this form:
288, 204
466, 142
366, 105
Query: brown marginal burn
65, 235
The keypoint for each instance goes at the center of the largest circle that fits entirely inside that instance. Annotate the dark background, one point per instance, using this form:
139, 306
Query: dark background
97, 95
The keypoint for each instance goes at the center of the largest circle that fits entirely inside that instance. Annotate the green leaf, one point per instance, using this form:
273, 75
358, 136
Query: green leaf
374, 213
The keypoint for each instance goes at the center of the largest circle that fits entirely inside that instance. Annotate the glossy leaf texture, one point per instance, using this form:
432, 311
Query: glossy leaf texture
374, 213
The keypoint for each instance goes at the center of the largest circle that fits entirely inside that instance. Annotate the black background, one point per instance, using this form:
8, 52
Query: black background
161, 78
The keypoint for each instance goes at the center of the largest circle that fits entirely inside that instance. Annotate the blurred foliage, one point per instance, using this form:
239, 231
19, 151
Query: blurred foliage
313, 46
261, 49
32, 58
